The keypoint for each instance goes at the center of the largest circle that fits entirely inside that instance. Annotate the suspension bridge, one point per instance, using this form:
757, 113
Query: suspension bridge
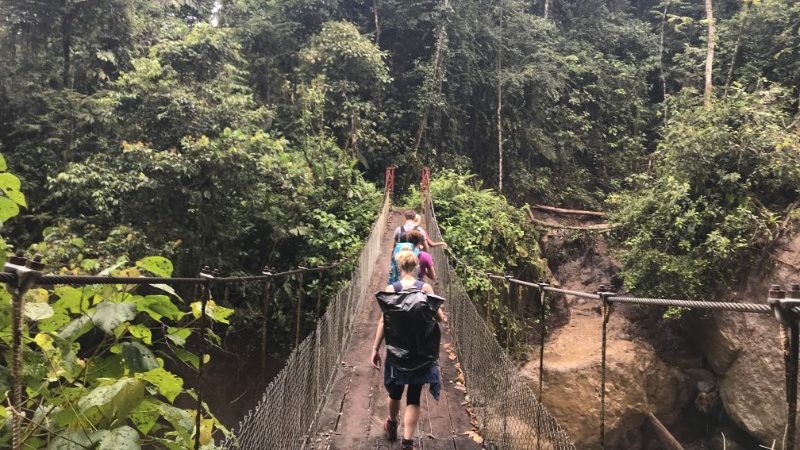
327, 396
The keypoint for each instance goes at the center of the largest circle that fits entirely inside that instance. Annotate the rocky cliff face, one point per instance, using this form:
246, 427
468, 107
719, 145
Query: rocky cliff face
744, 351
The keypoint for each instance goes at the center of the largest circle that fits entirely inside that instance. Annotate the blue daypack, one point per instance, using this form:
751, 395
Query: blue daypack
394, 271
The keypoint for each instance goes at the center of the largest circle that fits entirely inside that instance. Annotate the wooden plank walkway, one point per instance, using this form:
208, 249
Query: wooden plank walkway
353, 415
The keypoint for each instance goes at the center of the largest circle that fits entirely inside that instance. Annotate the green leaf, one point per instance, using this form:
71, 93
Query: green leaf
157, 265
145, 415
141, 332
3, 164
10, 184
122, 438
37, 311
182, 421
214, 311
109, 316
76, 328
8, 209
138, 357
157, 306
72, 299
169, 385
187, 357
106, 404
178, 335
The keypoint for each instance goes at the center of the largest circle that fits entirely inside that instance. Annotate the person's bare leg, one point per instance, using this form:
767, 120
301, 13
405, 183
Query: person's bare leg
394, 409
410, 421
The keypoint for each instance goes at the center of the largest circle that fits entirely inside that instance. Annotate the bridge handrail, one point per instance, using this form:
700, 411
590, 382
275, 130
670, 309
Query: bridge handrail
291, 403
509, 412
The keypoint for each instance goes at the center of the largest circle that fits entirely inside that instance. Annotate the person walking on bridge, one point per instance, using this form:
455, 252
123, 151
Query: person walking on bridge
409, 323
413, 223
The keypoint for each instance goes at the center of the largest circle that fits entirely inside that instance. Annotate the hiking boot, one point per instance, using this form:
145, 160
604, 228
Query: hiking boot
407, 444
391, 429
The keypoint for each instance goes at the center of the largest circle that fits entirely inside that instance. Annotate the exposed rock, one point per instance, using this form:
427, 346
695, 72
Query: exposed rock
744, 351
637, 381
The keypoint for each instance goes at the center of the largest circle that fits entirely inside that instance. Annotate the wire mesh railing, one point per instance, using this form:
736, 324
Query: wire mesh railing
509, 406
509, 412
289, 407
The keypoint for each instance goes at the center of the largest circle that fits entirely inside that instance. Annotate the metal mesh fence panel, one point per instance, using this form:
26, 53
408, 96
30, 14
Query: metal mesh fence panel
290, 404
510, 416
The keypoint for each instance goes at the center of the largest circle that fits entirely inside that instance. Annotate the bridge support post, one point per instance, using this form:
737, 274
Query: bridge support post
27, 272
542, 335
605, 296
787, 311
265, 313
299, 313
209, 276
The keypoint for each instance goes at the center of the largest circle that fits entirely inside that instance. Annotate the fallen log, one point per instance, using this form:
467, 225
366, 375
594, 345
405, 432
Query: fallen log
662, 433
579, 212
592, 227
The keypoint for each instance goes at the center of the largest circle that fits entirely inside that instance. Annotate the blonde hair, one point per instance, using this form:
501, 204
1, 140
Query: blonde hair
406, 260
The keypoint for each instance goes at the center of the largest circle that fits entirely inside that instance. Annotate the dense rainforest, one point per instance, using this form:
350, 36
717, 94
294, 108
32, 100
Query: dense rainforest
246, 134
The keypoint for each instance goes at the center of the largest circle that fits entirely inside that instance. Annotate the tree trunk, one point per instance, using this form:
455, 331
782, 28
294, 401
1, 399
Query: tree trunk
438, 74
661, 59
375, 6
712, 36
500, 103
737, 47
66, 44
546, 8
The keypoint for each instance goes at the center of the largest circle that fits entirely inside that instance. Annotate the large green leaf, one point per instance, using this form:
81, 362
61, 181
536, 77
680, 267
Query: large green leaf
214, 311
76, 328
10, 184
141, 332
37, 311
106, 404
138, 357
122, 438
109, 316
157, 265
145, 415
157, 306
182, 421
168, 384
72, 299
8, 209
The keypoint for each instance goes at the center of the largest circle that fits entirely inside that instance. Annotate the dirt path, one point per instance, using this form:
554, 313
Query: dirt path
353, 415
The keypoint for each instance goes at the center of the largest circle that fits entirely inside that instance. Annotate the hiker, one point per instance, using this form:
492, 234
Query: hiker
399, 232
410, 324
415, 238
413, 223
428, 242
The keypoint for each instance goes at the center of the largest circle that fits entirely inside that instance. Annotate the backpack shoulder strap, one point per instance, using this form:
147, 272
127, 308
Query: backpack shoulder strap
397, 286
418, 284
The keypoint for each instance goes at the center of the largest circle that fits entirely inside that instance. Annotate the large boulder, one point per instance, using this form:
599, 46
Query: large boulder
637, 382
744, 350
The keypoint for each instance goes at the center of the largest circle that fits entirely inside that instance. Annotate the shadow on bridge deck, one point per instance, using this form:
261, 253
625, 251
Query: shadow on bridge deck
353, 415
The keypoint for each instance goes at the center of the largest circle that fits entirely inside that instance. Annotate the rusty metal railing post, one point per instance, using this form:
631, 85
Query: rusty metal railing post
299, 312
542, 294
605, 296
27, 272
785, 310
209, 276
265, 314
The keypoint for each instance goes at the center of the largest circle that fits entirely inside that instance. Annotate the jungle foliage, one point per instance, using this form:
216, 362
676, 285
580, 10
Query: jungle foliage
245, 133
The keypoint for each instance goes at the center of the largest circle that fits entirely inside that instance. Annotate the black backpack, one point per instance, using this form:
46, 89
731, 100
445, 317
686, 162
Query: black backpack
410, 329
